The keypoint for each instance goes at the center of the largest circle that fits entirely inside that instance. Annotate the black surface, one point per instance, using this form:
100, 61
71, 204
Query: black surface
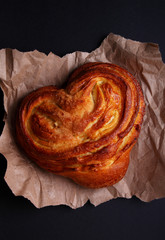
63, 27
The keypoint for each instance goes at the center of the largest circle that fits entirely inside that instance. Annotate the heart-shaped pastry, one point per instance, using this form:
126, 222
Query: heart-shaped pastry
86, 131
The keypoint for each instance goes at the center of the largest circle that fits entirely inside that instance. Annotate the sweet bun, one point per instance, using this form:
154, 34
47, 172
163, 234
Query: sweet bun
84, 132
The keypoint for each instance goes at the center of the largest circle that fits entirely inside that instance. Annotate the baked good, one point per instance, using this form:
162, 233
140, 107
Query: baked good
84, 132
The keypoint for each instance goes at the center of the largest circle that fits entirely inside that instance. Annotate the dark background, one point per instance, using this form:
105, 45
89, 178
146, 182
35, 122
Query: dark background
62, 27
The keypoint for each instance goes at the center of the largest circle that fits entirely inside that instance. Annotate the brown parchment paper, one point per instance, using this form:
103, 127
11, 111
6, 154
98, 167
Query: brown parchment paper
22, 72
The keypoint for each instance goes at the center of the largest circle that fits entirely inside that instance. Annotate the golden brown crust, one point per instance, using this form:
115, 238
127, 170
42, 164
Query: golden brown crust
85, 131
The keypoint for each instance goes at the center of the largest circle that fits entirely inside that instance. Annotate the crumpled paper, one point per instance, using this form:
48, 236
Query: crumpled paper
22, 72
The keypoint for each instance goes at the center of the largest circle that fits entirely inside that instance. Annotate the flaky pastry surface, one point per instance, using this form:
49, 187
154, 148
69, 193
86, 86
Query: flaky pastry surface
86, 131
